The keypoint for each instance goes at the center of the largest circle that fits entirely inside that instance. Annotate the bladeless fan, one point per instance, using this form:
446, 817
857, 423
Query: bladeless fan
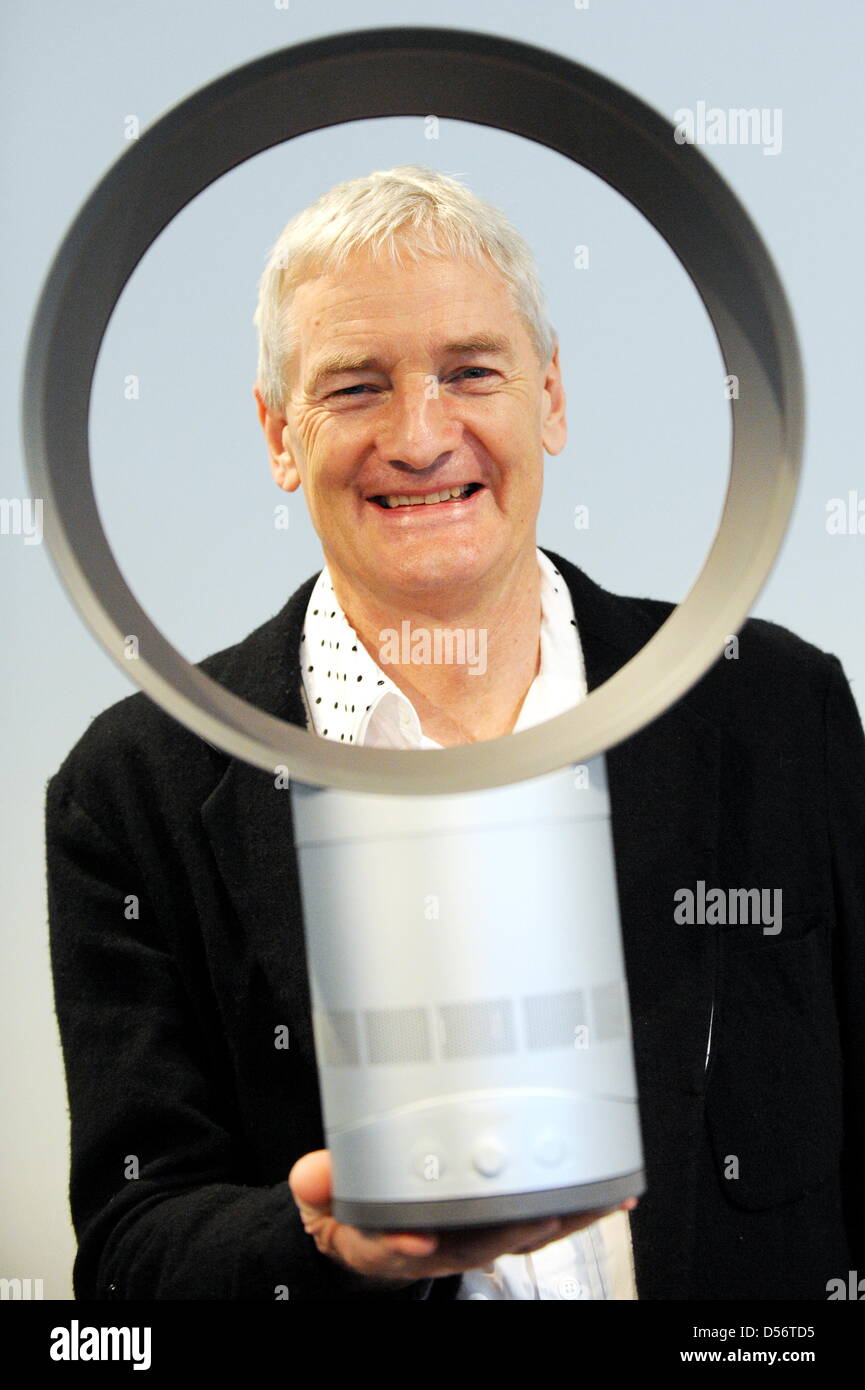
483, 1071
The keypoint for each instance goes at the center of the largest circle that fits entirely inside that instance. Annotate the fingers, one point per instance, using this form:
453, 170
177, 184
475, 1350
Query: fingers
571, 1224
409, 1243
405, 1256
372, 1252
472, 1249
416, 1255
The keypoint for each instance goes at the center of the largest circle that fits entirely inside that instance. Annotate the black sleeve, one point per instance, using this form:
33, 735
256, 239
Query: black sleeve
156, 1203
845, 781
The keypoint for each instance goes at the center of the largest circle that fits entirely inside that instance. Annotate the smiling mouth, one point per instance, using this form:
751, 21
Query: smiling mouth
452, 494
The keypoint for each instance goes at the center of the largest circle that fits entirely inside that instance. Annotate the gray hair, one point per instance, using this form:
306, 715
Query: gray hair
435, 214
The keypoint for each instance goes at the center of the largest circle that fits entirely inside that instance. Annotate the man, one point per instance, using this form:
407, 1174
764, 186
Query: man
405, 356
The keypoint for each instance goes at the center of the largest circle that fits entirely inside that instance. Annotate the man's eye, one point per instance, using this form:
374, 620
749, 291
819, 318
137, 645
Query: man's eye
363, 386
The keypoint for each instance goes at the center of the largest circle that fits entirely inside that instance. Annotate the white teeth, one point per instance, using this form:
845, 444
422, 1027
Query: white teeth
401, 500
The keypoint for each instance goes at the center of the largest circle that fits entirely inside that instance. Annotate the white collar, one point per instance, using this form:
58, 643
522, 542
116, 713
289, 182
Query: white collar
351, 699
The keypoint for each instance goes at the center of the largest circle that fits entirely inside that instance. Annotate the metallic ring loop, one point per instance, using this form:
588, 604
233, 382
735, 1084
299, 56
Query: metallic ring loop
464, 76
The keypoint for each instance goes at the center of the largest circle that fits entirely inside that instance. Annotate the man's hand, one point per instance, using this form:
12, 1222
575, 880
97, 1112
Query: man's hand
403, 1257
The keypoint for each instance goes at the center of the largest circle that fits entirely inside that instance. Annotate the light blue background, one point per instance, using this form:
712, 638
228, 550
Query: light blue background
181, 472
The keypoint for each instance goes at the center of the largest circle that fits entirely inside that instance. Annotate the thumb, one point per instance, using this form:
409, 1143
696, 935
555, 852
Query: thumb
310, 1181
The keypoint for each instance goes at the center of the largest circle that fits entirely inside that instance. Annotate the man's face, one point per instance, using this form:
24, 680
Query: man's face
406, 382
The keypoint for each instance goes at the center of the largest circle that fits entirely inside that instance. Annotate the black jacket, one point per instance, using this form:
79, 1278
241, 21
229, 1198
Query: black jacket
177, 951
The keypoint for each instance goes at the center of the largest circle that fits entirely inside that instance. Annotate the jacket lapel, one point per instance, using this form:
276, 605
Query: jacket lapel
248, 820
664, 786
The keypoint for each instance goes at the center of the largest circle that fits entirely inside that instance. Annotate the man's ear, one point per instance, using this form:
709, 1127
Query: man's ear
555, 429
276, 434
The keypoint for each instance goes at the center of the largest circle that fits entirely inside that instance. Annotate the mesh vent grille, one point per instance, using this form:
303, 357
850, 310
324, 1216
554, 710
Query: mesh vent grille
336, 1037
550, 1019
397, 1035
479, 1029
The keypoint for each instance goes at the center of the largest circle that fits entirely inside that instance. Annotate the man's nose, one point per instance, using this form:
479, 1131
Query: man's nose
418, 426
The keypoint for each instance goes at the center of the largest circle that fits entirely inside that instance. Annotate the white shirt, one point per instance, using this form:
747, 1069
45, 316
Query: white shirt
351, 699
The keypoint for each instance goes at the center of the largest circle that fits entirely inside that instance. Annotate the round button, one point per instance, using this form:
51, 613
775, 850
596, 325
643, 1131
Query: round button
549, 1149
489, 1158
570, 1288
